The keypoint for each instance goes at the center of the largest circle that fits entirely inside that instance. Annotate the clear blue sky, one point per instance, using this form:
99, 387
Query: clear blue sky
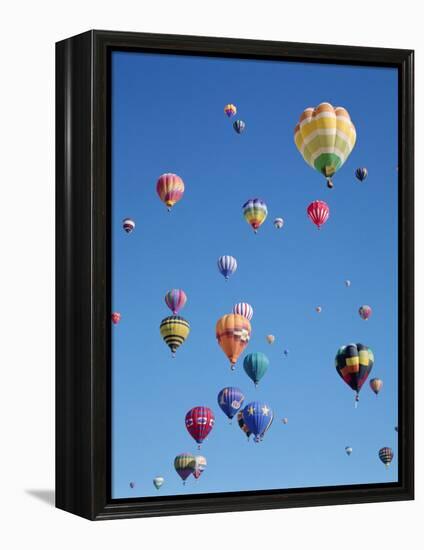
167, 116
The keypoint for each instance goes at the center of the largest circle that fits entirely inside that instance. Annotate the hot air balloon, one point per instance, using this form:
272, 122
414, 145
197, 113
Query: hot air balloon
365, 312
270, 338
347, 283
318, 309
174, 330
244, 309
116, 317
242, 424
325, 137
227, 265
175, 299
348, 450
230, 110
128, 225
318, 212
239, 126
278, 223
258, 417
286, 352
255, 365
132, 484
386, 455
354, 363
361, 173
285, 420
200, 466
199, 422
233, 335
230, 401
376, 384
184, 464
396, 428
255, 212
158, 482
170, 189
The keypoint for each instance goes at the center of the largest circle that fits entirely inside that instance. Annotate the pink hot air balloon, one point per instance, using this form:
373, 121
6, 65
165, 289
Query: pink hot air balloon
318, 212
175, 299
365, 312
170, 189
116, 317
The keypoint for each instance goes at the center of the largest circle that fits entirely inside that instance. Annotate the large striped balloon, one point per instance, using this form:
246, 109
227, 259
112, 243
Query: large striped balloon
170, 189
318, 212
199, 422
184, 464
233, 335
245, 309
325, 137
227, 265
174, 331
255, 212
175, 299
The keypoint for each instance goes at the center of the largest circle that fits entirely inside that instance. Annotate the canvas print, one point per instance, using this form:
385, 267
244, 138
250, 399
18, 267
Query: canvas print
254, 220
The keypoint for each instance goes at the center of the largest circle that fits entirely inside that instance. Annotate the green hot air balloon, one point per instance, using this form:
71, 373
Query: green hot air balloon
256, 364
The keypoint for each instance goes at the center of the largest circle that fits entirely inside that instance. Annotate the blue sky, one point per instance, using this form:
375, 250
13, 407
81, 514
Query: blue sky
167, 116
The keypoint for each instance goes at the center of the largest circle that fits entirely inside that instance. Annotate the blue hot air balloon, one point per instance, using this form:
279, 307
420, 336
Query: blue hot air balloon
361, 173
227, 265
255, 365
258, 417
230, 400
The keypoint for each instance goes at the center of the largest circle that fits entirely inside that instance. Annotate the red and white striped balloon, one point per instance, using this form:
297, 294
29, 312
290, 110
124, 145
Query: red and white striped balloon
244, 309
318, 212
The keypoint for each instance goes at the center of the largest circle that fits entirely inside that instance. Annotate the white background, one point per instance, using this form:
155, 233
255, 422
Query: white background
28, 31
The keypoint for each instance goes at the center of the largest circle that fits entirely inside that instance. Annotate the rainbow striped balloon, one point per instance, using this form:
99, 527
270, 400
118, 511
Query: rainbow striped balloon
255, 212
325, 137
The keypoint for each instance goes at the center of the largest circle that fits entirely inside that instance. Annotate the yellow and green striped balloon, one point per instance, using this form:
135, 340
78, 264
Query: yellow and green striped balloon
325, 137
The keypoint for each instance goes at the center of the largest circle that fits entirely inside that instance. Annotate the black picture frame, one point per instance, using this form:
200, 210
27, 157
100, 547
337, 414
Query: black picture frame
83, 275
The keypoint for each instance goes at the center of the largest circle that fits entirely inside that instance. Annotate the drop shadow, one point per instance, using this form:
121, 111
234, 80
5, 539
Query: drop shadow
45, 495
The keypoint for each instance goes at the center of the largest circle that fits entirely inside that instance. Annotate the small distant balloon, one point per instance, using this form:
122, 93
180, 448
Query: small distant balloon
270, 338
132, 484
158, 482
244, 309
286, 352
278, 223
365, 312
318, 309
396, 428
285, 420
227, 265
386, 455
230, 110
347, 283
348, 450
128, 225
361, 174
116, 317
239, 126
376, 384
255, 212
200, 466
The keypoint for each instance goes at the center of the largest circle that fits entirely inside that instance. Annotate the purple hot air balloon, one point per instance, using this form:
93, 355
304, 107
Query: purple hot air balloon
175, 299
230, 401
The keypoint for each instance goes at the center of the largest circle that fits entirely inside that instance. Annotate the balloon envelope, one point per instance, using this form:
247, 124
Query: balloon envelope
278, 223
233, 334
255, 365
199, 422
116, 317
318, 212
227, 265
270, 338
386, 455
354, 363
184, 465
239, 126
170, 189
158, 482
128, 225
376, 384
255, 212
348, 450
175, 299
200, 466
365, 312
244, 309
230, 110
230, 400
258, 417
361, 173
325, 137
174, 331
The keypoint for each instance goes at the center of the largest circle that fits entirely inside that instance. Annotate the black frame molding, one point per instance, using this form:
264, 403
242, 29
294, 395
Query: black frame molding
83, 275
